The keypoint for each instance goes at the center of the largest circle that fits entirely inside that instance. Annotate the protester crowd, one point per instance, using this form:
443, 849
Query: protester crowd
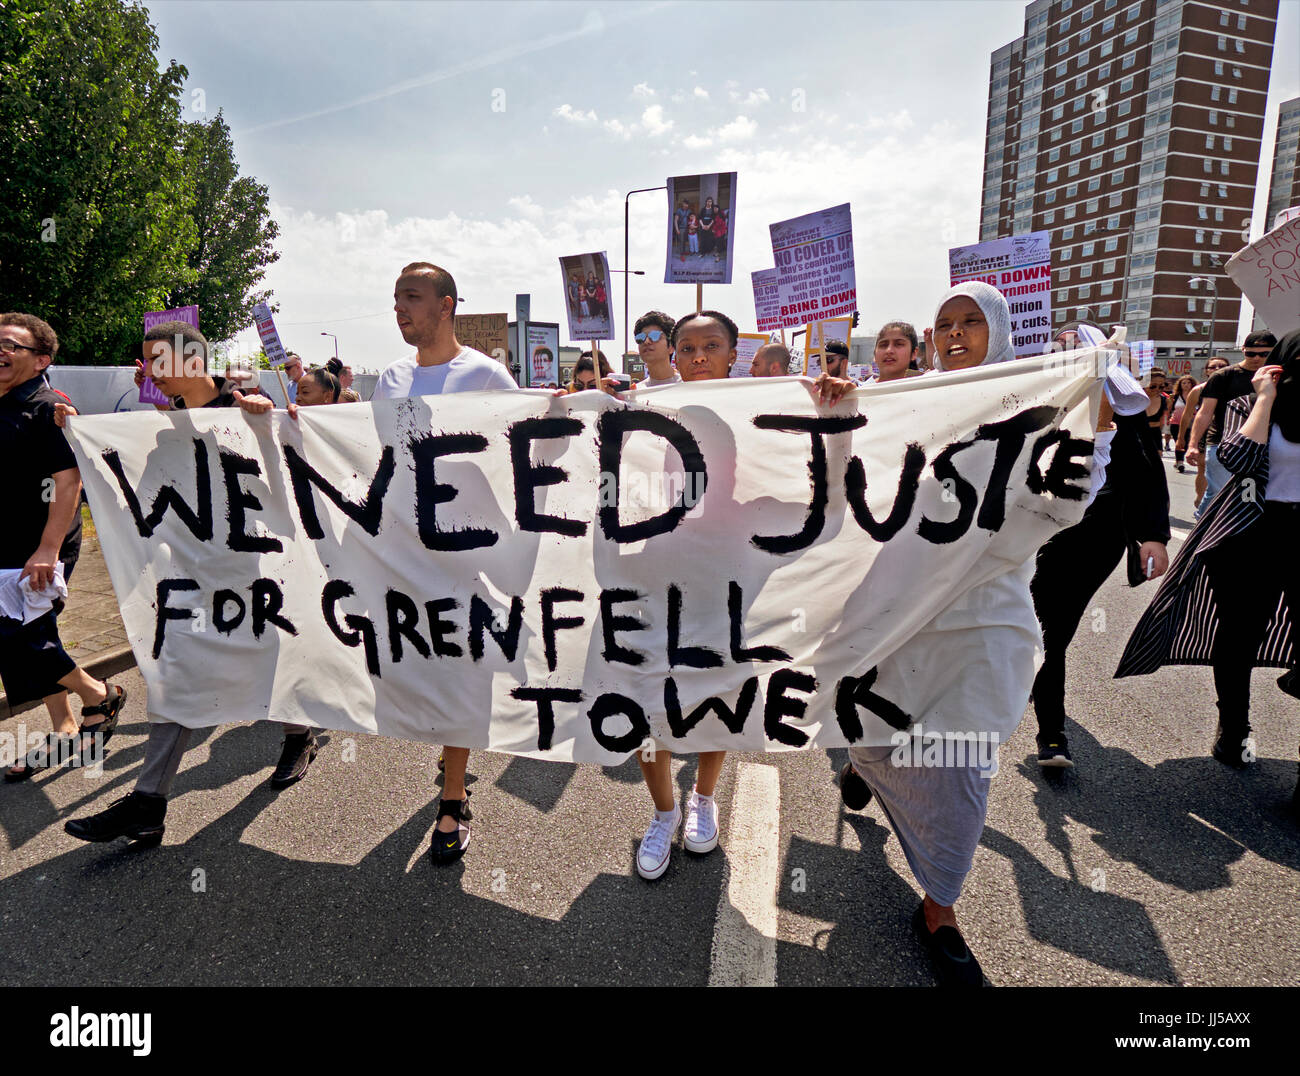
1219, 602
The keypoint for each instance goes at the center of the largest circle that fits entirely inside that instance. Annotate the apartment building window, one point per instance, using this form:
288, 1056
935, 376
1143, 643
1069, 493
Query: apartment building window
1232, 95
1114, 200
1103, 72
1049, 216
1239, 45
1053, 155
1218, 67
1091, 206
1223, 168
1124, 107
1094, 183
1241, 21
1108, 25
1067, 232
1061, 297
1058, 92
1205, 190
1214, 93
1221, 43
1111, 244
1128, 61
1085, 36
1072, 170
1202, 213
1112, 222
1209, 141
1223, 191
1117, 177
1080, 103
1098, 140
1063, 275
1135, 12
1108, 267
1076, 126
1236, 72
1075, 146
1227, 143
1069, 212
1223, 18
1054, 172
1063, 69
1072, 190
1209, 164
1056, 134
1085, 271
1088, 248
1218, 214
1131, 36
1230, 121
1107, 47
1089, 227
1126, 84
1085, 290
1200, 235
1216, 238
1066, 253
1049, 197
1214, 118
1058, 112
1121, 132
1118, 154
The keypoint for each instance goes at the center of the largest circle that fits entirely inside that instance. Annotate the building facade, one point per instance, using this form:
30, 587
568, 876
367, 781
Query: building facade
1131, 131
1284, 182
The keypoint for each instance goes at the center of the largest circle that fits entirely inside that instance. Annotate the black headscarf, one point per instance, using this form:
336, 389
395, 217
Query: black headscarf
1286, 408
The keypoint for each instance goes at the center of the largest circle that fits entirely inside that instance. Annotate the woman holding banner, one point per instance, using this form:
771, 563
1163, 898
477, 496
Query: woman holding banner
970, 667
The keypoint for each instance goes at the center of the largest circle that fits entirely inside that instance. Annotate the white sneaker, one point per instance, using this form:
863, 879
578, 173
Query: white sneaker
701, 833
657, 844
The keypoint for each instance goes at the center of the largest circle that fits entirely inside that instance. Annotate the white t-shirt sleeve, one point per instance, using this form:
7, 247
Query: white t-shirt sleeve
498, 377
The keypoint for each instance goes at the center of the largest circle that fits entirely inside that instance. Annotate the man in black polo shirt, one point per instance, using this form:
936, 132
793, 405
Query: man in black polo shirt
40, 493
1222, 388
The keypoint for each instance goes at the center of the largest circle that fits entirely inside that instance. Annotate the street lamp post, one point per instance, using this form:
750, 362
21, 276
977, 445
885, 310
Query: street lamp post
1214, 308
626, 199
336, 343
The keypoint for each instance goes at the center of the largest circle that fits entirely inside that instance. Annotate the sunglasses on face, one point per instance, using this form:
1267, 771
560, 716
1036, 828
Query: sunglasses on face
1254, 353
653, 335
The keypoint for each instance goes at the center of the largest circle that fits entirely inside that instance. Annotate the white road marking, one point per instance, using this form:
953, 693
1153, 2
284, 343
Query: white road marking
1179, 533
744, 932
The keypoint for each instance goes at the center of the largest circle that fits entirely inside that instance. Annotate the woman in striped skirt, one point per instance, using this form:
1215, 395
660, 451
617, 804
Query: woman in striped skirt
1232, 596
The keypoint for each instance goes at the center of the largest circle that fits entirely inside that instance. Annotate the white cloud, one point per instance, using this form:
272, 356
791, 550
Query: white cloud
755, 97
618, 128
701, 93
652, 120
696, 142
567, 112
642, 90
738, 130
526, 206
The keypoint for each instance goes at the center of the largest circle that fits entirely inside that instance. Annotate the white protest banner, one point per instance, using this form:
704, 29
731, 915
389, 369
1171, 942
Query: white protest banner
814, 266
275, 352
701, 228
586, 293
1268, 272
1285, 215
1020, 267
747, 345
767, 300
149, 392
718, 565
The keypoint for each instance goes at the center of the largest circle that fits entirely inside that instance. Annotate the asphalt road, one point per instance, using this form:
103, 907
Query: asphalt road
1149, 864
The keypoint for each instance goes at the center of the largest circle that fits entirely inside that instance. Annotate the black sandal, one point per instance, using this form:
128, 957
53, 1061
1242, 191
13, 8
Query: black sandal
111, 708
42, 758
449, 847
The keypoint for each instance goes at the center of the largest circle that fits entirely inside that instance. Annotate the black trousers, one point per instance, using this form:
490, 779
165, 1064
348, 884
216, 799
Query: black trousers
1249, 573
1072, 565
32, 658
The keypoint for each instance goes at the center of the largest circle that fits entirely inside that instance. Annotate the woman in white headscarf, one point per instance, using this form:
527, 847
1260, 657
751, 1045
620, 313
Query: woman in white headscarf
971, 668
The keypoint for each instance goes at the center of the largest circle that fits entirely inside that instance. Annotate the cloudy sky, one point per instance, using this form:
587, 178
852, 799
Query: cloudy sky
494, 137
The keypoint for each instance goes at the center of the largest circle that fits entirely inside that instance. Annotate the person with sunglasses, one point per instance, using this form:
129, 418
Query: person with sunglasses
653, 333
1212, 367
1219, 391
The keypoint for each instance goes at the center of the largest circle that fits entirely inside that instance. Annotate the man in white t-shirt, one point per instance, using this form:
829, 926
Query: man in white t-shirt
424, 300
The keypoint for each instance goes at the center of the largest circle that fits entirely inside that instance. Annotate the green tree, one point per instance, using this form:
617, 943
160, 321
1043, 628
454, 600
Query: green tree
233, 233
106, 205
93, 229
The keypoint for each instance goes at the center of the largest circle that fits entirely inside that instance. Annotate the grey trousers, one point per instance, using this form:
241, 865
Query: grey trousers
937, 813
162, 757
168, 742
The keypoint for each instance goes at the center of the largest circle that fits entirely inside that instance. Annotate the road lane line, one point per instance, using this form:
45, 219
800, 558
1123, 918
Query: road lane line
744, 932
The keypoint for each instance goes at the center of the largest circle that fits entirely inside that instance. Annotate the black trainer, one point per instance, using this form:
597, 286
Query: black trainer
137, 815
854, 791
298, 753
1234, 748
1054, 752
954, 964
448, 847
